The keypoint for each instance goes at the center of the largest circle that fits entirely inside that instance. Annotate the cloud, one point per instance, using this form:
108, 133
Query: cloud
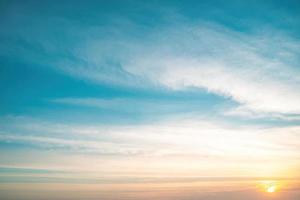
79, 146
202, 137
244, 112
258, 69
158, 107
185, 147
253, 70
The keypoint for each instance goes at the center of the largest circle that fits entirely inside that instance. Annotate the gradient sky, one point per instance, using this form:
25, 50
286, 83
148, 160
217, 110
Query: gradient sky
129, 92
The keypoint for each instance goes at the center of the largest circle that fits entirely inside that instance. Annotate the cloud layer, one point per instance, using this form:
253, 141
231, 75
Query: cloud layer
240, 150
259, 71
256, 68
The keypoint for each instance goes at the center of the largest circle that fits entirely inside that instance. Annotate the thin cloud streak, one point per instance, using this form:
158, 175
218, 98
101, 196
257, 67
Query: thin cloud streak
241, 66
236, 65
166, 143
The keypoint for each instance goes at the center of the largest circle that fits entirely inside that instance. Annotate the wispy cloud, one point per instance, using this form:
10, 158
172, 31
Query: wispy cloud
134, 94
242, 111
143, 106
165, 144
258, 69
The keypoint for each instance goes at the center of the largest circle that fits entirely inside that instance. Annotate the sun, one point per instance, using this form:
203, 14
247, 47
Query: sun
269, 186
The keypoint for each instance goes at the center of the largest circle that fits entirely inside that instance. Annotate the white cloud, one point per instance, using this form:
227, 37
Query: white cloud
258, 70
185, 145
177, 136
242, 111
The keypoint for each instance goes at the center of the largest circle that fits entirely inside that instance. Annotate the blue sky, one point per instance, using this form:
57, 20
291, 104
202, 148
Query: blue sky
100, 50
163, 82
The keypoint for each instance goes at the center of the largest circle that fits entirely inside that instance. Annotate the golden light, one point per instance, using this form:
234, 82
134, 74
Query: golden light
269, 186
271, 189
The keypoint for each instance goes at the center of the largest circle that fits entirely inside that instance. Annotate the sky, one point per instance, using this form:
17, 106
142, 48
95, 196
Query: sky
117, 99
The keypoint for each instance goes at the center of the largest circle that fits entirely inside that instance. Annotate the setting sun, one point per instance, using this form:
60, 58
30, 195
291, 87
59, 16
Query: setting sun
271, 189
269, 186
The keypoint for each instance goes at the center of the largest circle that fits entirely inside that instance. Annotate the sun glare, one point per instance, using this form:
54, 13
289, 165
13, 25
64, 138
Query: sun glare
269, 186
271, 189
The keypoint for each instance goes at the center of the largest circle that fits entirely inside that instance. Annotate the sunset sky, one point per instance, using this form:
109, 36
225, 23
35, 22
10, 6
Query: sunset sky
131, 100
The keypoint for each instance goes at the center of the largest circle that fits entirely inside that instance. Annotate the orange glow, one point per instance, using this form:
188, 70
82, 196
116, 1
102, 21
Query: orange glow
271, 189
269, 186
